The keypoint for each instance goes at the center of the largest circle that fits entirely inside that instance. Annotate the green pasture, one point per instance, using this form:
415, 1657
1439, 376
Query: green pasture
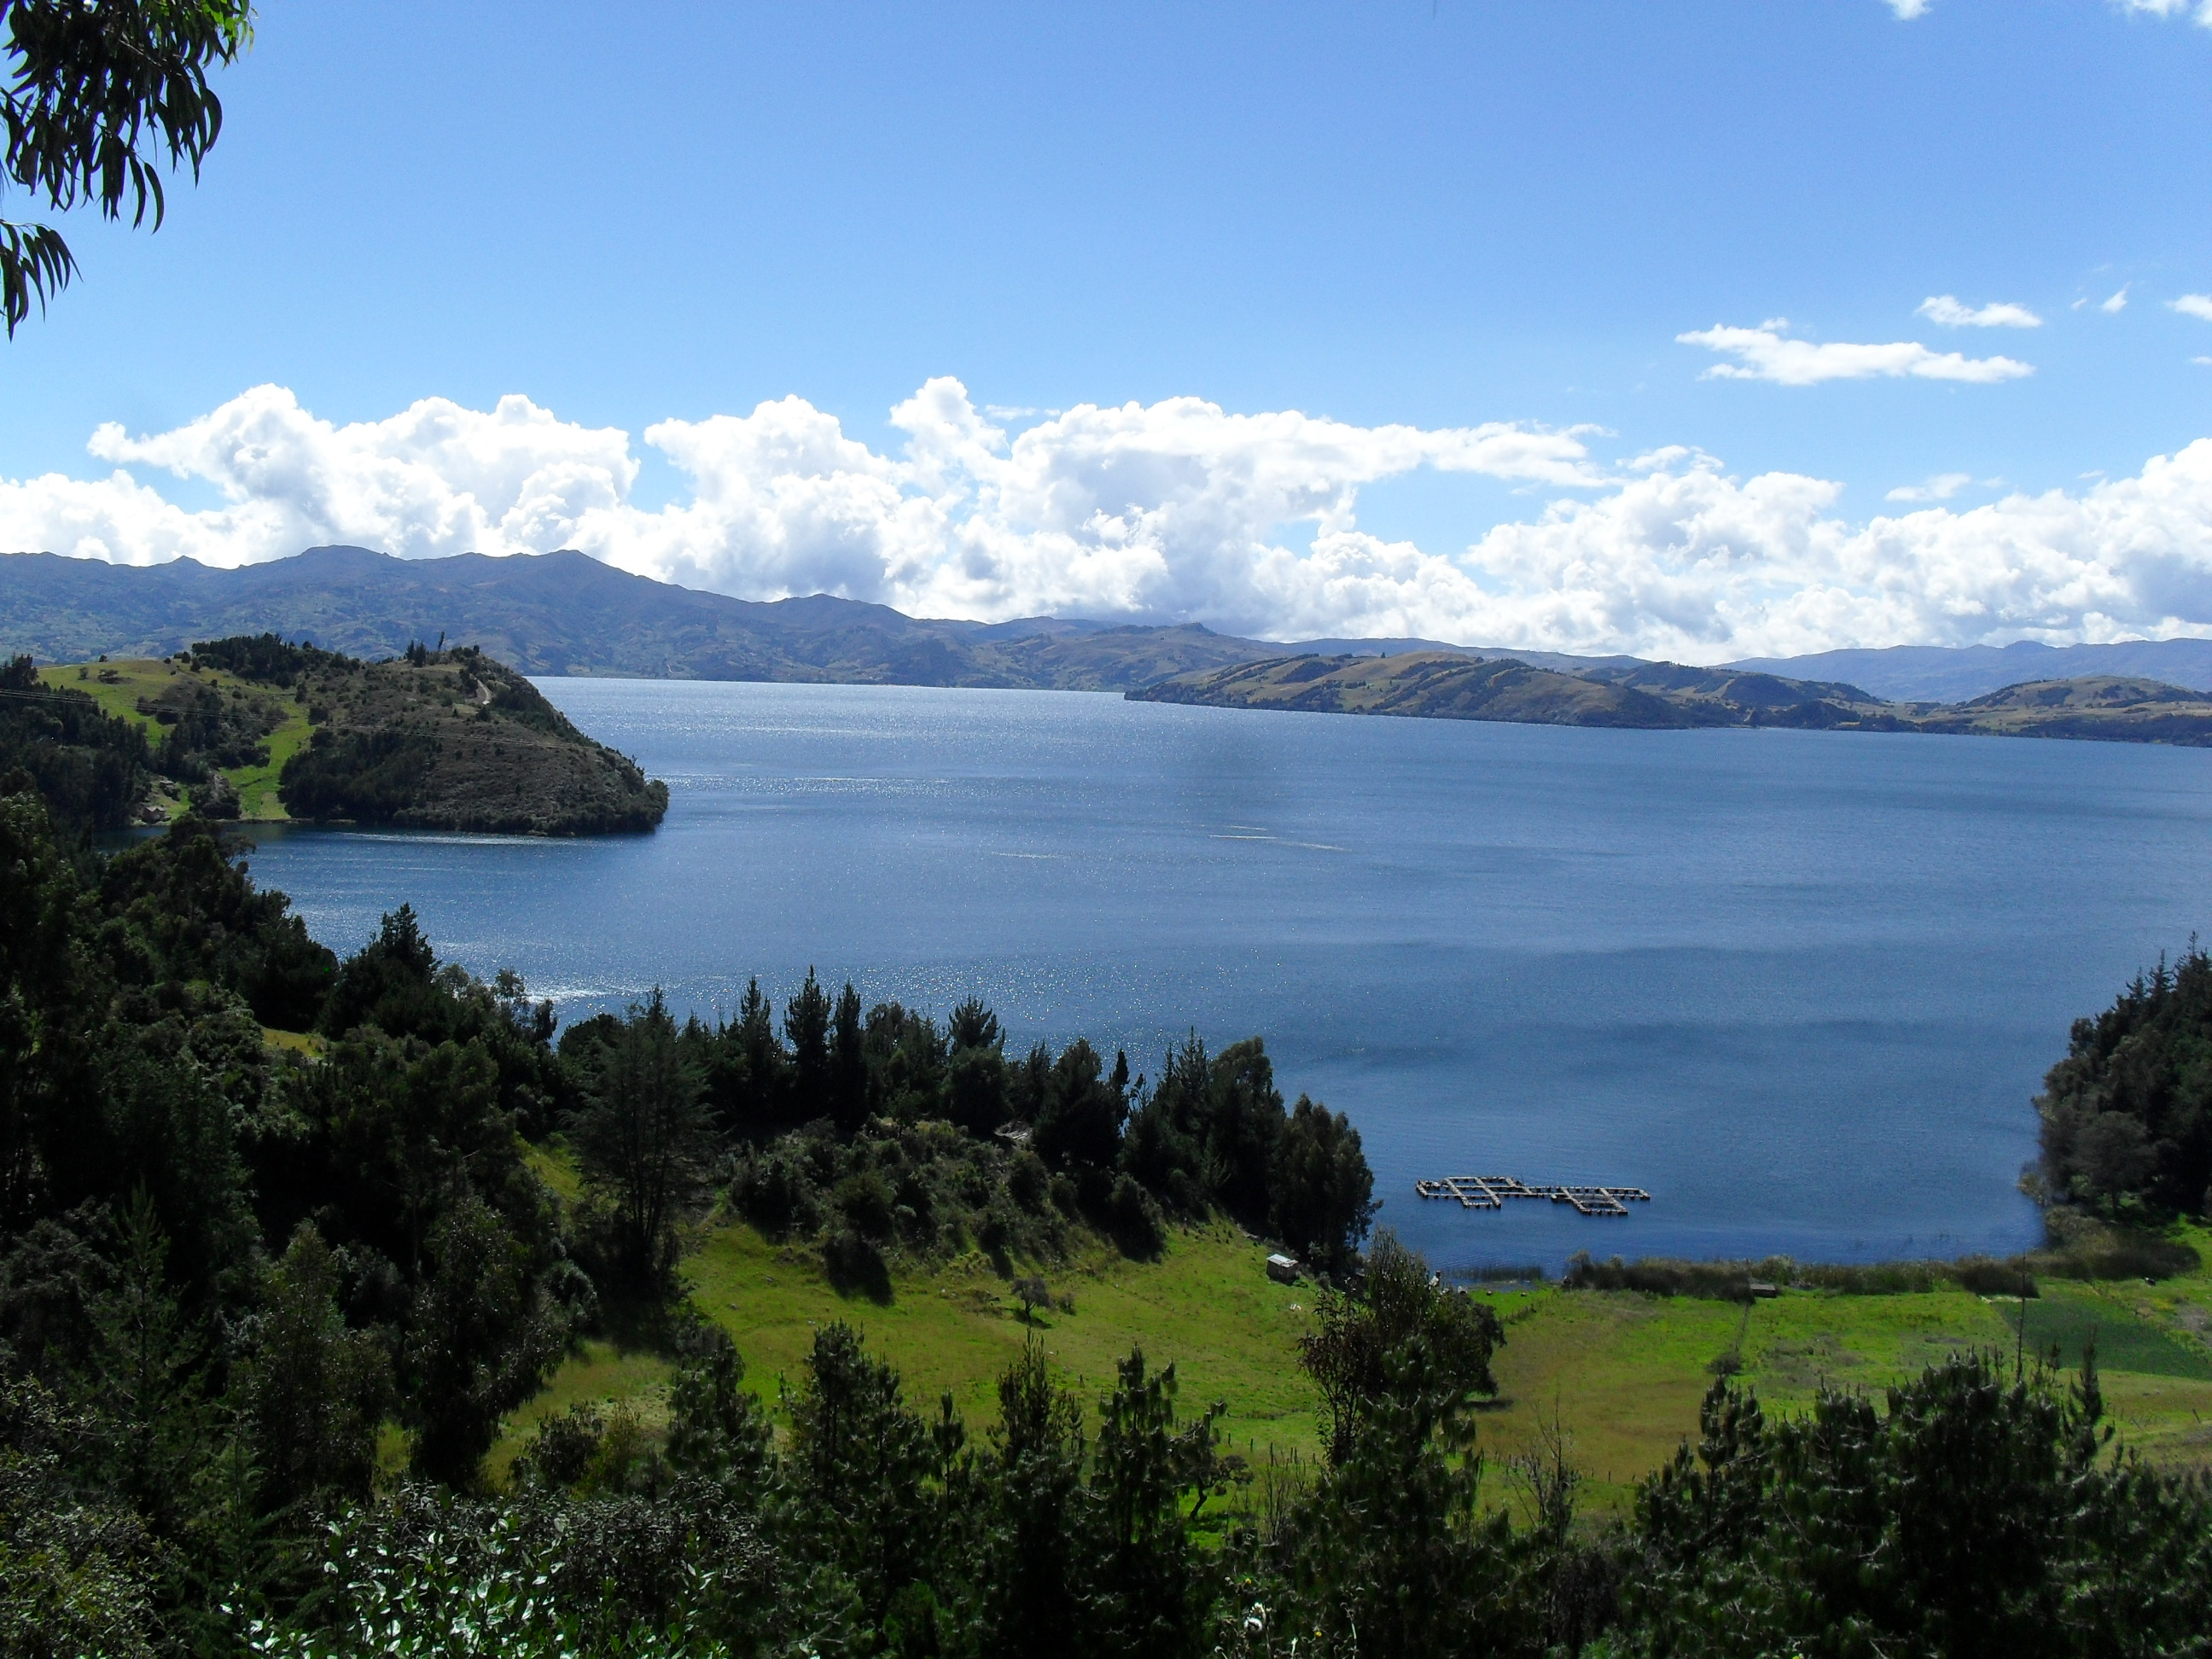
1207, 1307
1622, 1373
118, 686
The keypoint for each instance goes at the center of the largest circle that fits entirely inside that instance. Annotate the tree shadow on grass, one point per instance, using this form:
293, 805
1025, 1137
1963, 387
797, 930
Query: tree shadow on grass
645, 1322
856, 1267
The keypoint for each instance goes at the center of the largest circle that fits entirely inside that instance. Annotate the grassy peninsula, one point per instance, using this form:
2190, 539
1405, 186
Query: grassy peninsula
1654, 696
259, 731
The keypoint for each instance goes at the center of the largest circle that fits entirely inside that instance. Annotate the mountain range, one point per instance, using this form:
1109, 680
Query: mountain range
566, 613
1928, 673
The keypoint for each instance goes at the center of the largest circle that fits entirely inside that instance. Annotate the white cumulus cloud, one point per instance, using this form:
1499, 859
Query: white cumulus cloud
1948, 310
1941, 488
1765, 353
1173, 510
435, 479
2193, 305
1906, 11
2199, 10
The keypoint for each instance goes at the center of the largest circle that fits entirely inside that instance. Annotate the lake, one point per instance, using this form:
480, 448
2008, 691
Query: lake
1800, 986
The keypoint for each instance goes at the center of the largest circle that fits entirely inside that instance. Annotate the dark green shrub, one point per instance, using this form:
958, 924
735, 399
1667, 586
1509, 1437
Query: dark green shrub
863, 1201
1026, 1181
773, 1192
1066, 1197
562, 1450
1869, 1279
1725, 1281
2121, 1255
1986, 1277
1134, 1220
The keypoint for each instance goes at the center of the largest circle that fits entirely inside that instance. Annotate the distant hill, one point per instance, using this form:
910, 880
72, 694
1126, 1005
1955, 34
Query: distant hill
1400, 648
1928, 673
1438, 685
2112, 708
1452, 685
566, 613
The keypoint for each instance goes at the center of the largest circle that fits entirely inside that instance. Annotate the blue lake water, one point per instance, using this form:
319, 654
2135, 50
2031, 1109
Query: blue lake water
1801, 986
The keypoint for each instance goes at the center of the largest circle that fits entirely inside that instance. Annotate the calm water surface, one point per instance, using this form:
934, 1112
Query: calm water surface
1799, 985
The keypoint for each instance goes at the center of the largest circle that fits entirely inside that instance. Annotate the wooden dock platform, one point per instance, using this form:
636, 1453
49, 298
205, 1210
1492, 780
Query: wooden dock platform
1490, 1192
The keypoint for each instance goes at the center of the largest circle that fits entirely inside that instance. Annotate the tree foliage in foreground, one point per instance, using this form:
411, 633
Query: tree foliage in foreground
101, 99
1970, 1511
1399, 1314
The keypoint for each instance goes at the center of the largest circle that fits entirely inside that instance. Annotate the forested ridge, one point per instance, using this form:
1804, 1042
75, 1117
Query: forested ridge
266, 1303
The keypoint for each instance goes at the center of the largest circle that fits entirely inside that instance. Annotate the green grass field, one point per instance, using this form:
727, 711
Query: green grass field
1208, 1307
1623, 1373
139, 678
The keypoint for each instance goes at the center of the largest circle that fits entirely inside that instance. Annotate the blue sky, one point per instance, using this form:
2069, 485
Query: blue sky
1431, 216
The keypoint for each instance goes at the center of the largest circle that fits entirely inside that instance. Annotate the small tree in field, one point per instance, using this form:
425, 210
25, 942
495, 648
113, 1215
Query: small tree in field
1032, 1293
